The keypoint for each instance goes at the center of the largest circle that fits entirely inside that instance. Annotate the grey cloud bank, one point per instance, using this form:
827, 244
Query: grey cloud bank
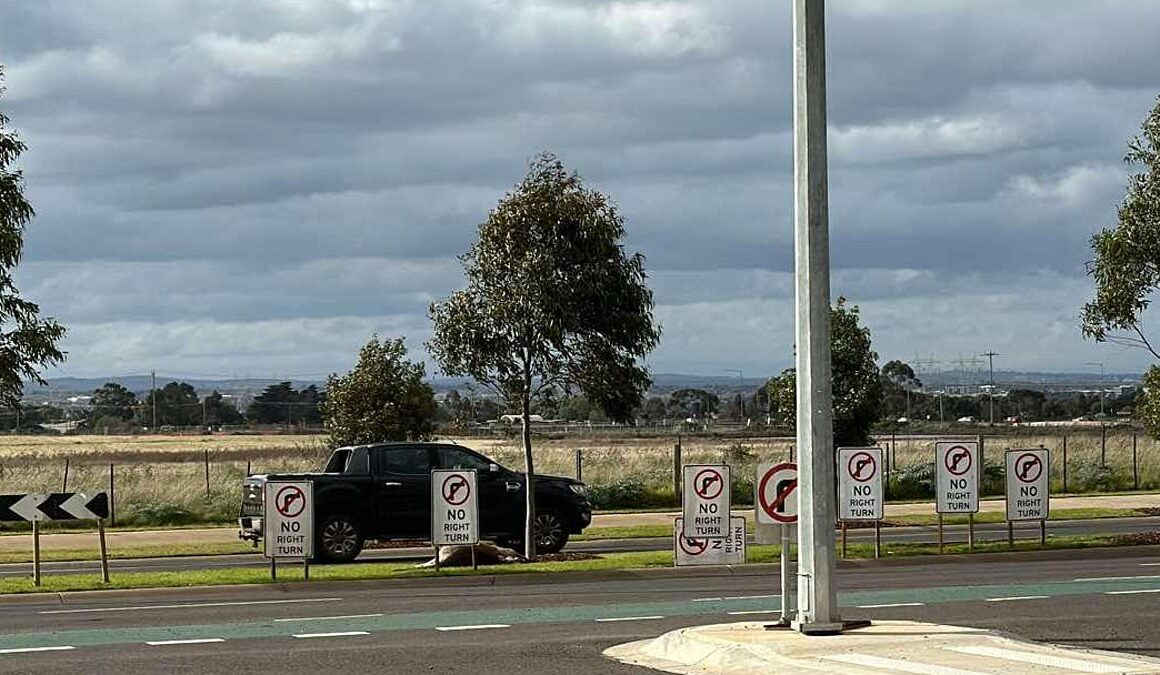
253, 188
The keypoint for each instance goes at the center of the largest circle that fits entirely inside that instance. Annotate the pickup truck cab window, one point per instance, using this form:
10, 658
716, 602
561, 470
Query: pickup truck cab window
457, 458
349, 462
412, 460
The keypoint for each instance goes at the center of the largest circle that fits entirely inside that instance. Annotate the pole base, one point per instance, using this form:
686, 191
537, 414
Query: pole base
836, 628
780, 625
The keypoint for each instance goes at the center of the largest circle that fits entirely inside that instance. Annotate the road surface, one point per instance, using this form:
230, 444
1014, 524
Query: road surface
1105, 598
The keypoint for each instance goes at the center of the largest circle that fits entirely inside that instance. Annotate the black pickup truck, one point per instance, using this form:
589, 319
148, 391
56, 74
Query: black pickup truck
383, 492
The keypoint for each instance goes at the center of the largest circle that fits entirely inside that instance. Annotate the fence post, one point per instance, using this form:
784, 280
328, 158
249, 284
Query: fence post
1103, 445
112, 498
1135, 466
579, 464
64, 483
207, 473
1065, 462
677, 469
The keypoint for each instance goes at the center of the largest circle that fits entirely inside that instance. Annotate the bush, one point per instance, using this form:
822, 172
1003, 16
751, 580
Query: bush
914, 482
157, 513
629, 493
742, 491
1088, 476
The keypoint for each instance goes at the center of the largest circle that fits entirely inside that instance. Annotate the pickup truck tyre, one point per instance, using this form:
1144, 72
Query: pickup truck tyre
340, 539
551, 535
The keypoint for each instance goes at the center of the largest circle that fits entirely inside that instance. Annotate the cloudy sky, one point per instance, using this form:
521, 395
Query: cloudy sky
254, 187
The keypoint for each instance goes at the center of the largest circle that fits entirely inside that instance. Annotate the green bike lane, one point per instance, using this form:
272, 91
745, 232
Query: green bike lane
733, 607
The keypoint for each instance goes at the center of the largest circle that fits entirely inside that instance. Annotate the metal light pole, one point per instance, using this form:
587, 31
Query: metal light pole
741, 383
818, 604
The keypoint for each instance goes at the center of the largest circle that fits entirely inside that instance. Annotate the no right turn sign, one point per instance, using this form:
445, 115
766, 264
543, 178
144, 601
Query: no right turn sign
1028, 484
956, 466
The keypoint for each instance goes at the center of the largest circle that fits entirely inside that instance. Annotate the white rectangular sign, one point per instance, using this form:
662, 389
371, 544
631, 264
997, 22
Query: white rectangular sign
707, 501
776, 496
956, 468
289, 520
727, 551
454, 507
1028, 484
860, 484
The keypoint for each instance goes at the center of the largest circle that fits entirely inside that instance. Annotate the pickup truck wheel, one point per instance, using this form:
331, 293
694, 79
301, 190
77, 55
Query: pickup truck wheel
340, 539
551, 536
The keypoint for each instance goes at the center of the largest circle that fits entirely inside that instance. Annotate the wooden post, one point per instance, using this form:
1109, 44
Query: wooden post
112, 498
273, 569
36, 552
306, 569
877, 538
1065, 462
1103, 445
843, 539
1043, 533
1010, 534
1135, 466
474, 563
104, 550
677, 469
248, 473
579, 466
207, 473
436, 558
64, 483
970, 531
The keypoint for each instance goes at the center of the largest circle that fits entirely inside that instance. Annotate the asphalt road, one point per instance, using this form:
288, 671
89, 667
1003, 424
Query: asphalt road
1104, 598
923, 534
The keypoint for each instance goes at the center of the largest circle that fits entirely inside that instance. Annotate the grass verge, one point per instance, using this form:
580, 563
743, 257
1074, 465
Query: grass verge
371, 571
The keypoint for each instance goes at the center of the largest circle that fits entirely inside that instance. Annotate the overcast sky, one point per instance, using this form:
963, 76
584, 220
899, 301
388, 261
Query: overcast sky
254, 187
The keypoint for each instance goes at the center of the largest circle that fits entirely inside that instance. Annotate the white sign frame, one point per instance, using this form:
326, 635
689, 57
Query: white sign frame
770, 477
853, 491
708, 515
729, 550
957, 489
1016, 484
463, 516
288, 521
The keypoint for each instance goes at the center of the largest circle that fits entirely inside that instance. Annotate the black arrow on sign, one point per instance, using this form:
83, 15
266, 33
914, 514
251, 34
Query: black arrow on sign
99, 505
6, 515
51, 506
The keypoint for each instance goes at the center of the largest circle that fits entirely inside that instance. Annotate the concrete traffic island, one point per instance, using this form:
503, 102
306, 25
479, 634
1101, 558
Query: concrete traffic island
884, 647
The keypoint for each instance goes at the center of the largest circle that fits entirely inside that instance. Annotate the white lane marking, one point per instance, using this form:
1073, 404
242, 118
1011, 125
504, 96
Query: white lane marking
26, 650
328, 618
1047, 660
1149, 576
707, 599
614, 619
348, 633
479, 626
1149, 564
894, 604
138, 608
201, 641
749, 597
1141, 590
754, 611
897, 665
1016, 597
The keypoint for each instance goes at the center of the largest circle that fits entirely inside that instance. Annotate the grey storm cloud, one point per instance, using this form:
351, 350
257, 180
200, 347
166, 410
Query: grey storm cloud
257, 186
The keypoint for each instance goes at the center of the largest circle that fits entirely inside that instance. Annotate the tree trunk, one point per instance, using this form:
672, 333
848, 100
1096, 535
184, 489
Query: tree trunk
529, 475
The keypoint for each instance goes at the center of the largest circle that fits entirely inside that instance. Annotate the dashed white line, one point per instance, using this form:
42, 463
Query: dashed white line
479, 626
754, 611
1017, 597
707, 599
1150, 564
1140, 590
328, 618
1150, 576
614, 619
348, 633
26, 650
749, 597
200, 641
892, 604
138, 608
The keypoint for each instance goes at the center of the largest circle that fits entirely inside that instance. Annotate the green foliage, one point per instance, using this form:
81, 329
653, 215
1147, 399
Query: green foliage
1085, 475
383, 399
1126, 263
629, 493
113, 400
28, 344
857, 388
1148, 405
282, 404
177, 405
552, 299
695, 403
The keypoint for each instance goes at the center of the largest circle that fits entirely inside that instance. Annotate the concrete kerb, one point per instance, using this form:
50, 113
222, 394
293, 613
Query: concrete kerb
886, 646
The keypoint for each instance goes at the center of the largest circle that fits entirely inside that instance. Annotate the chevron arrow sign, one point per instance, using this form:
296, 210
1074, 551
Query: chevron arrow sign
55, 506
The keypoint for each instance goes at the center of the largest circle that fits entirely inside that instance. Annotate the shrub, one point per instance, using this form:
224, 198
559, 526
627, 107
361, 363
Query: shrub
1089, 476
913, 482
158, 513
629, 493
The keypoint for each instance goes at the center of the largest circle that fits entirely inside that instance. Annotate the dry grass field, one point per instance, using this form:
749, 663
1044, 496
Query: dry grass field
162, 479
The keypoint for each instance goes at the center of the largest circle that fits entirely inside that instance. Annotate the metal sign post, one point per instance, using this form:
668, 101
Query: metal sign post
707, 501
36, 552
957, 483
1028, 489
861, 490
289, 523
454, 510
777, 504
